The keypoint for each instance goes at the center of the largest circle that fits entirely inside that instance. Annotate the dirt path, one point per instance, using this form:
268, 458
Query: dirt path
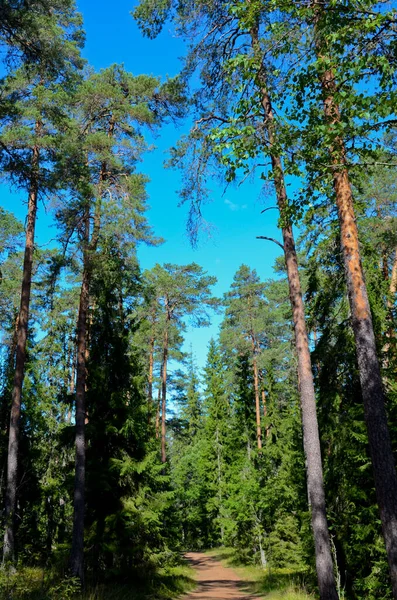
215, 581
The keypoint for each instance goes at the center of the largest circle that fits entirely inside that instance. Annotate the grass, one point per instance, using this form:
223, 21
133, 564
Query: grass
166, 584
36, 584
270, 584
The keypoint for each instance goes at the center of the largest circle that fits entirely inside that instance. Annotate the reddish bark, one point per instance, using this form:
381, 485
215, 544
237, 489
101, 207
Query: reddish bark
264, 405
164, 398
22, 334
311, 438
150, 379
368, 363
77, 552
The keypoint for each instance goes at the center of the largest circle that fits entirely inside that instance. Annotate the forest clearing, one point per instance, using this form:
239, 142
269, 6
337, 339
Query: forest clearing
198, 300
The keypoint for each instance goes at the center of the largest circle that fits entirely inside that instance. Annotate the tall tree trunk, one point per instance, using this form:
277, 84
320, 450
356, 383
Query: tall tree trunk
393, 277
150, 380
164, 397
22, 333
368, 364
391, 333
158, 405
77, 552
311, 438
83, 323
257, 402
264, 405
72, 382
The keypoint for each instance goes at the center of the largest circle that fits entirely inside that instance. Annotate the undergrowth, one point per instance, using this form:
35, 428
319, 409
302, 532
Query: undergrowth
36, 584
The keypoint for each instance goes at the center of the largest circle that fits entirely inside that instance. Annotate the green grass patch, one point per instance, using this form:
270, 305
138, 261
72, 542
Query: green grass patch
269, 583
36, 584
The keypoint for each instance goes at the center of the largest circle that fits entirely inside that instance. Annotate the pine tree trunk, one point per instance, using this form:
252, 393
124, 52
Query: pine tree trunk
77, 552
150, 380
264, 405
72, 381
164, 397
369, 370
76, 563
393, 277
22, 334
158, 406
391, 333
257, 404
368, 363
311, 438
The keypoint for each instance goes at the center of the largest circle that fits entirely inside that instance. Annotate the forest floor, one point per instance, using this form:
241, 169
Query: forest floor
36, 584
215, 575
220, 575
216, 581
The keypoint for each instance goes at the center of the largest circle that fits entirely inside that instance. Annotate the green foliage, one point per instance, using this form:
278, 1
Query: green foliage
226, 492
217, 488
33, 584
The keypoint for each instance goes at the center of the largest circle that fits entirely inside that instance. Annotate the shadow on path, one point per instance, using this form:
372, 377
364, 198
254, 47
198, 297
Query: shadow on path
216, 582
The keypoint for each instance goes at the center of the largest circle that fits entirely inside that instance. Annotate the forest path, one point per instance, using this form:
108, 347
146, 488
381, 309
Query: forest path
216, 581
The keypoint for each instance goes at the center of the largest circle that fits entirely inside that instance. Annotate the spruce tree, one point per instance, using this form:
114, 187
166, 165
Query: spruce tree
109, 111
235, 125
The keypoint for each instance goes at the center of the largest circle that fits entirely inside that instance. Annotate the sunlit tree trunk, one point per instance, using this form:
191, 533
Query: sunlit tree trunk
158, 404
368, 363
393, 277
311, 438
264, 408
150, 379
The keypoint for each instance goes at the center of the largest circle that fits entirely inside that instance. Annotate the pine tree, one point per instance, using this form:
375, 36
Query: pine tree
336, 74
110, 108
182, 291
235, 125
245, 326
28, 138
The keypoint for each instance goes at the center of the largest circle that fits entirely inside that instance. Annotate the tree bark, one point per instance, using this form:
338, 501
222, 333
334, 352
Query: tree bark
393, 277
76, 563
368, 363
72, 382
150, 379
264, 405
77, 552
22, 334
158, 405
164, 397
257, 403
311, 438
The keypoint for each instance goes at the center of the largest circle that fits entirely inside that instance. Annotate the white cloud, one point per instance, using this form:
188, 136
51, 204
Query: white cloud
234, 207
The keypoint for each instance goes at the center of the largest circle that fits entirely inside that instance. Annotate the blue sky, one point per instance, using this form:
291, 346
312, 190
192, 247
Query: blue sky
112, 37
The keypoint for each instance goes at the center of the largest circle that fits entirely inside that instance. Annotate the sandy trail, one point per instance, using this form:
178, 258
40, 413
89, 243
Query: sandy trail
215, 582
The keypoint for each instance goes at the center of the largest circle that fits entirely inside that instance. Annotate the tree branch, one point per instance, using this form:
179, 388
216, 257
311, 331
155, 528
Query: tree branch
269, 239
